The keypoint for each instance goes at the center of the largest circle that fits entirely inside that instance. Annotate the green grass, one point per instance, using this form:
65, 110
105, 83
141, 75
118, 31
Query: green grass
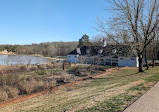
153, 78
139, 87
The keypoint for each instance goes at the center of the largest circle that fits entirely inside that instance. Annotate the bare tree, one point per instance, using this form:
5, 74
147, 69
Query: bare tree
139, 18
96, 40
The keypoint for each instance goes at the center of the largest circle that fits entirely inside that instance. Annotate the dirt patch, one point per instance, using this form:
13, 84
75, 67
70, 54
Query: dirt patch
111, 70
5, 52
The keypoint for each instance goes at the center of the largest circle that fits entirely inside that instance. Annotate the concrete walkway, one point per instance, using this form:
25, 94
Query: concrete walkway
149, 102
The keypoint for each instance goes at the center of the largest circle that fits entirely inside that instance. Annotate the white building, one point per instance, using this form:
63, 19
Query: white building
112, 55
73, 56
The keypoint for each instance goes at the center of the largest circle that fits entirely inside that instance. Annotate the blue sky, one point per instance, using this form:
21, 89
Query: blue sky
35, 21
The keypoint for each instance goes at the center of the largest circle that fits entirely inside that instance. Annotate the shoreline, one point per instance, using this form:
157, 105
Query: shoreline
35, 55
38, 55
5, 52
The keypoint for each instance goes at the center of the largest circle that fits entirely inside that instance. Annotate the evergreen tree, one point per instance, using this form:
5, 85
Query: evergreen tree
84, 41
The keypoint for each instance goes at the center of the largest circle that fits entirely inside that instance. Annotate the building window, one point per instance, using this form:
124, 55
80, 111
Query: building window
69, 56
75, 56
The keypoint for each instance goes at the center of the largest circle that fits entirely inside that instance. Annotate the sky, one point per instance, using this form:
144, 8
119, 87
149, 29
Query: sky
36, 21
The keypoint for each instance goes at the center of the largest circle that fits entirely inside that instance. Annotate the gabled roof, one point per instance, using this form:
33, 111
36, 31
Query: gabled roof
82, 51
120, 50
74, 52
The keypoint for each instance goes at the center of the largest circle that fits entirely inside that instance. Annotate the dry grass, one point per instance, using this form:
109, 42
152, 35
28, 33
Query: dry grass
2, 66
88, 94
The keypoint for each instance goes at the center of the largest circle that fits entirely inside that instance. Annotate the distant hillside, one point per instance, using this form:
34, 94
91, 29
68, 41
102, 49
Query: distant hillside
50, 49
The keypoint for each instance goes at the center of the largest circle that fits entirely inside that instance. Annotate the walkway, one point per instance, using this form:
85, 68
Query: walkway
149, 102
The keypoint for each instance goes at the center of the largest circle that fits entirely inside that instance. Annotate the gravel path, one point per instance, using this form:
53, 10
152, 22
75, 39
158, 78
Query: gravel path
149, 102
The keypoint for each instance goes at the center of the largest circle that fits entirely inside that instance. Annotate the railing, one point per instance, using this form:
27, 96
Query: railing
103, 61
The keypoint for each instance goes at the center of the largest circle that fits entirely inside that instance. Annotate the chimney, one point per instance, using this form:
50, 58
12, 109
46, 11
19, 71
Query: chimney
104, 43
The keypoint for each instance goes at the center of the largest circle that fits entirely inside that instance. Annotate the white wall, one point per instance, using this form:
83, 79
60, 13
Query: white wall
128, 61
72, 58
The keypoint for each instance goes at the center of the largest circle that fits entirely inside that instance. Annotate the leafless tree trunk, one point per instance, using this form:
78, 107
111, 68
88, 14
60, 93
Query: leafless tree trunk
140, 62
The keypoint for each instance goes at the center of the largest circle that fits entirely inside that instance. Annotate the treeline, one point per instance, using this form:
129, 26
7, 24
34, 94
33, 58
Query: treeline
50, 49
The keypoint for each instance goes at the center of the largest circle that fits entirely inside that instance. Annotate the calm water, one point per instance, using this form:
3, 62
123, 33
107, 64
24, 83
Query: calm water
21, 59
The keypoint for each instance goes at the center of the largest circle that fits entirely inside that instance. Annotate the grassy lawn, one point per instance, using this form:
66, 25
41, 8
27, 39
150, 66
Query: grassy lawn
108, 93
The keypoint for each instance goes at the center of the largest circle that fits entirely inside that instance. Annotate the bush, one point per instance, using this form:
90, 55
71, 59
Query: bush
14, 79
42, 66
26, 87
33, 84
3, 95
62, 78
85, 74
11, 91
39, 85
42, 72
56, 71
48, 83
32, 67
23, 68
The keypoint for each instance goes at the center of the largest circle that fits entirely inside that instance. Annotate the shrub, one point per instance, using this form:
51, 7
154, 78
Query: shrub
33, 84
39, 85
56, 71
61, 78
42, 72
14, 79
36, 85
11, 91
23, 68
64, 77
32, 67
69, 77
42, 66
3, 95
48, 83
52, 83
85, 74
26, 87
50, 66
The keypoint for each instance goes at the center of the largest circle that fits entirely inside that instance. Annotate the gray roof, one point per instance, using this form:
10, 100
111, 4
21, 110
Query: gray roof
109, 50
121, 50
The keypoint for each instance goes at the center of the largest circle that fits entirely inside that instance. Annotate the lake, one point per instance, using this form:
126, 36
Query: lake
22, 59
